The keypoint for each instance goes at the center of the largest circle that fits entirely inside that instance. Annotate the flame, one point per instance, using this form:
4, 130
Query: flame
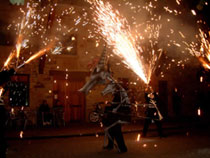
1, 91
39, 53
9, 59
205, 64
205, 46
113, 29
18, 45
199, 112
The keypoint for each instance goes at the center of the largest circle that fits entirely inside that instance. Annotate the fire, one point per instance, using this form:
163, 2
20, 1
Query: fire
9, 59
18, 45
116, 32
1, 91
36, 55
205, 46
205, 64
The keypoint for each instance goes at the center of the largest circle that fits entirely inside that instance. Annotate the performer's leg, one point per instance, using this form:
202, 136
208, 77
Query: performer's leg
3, 146
110, 137
159, 128
119, 138
146, 126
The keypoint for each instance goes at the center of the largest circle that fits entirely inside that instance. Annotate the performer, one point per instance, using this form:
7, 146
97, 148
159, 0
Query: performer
3, 144
5, 76
152, 115
115, 132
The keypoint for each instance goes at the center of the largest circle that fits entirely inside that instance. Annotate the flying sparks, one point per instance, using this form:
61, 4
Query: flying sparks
1, 91
116, 32
138, 137
9, 59
36, 55
21, 134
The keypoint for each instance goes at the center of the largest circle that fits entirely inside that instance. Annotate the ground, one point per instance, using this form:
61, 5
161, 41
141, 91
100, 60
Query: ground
178, 144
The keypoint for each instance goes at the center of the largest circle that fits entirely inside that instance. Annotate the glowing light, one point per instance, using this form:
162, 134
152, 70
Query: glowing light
178, 2
201, 79
193, 12
138, 137
21, 134
101, 124
9, 59
18, 45
38, 54
115, 31
204, 63
1, 91
73, 38
199, 111
144, 145
12, 111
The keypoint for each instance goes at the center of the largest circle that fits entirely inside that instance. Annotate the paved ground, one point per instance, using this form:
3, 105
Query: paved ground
179, 143
192, 145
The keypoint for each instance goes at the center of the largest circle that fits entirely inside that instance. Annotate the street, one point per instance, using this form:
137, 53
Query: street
177, 144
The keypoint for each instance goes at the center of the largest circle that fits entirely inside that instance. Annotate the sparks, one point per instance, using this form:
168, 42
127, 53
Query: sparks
193, 12
138, 137
36, 55
1, 91
21, 134
116, 32
18, 45
9, 59
199, 111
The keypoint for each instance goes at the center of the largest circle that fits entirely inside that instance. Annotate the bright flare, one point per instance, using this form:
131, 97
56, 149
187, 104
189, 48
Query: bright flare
138, 137
116, 32
18, 45
1, 91
21, 134
199, 112
9, 59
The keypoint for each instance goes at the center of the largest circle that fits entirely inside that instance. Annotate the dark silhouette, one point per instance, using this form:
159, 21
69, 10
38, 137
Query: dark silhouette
115, 132
5, 76
45, 114
3, 143
176, 100
58, 114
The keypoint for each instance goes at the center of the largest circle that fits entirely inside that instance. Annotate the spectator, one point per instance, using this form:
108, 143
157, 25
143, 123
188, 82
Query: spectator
44, 111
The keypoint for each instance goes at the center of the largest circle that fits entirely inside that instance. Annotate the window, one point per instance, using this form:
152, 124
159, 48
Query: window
19, 90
